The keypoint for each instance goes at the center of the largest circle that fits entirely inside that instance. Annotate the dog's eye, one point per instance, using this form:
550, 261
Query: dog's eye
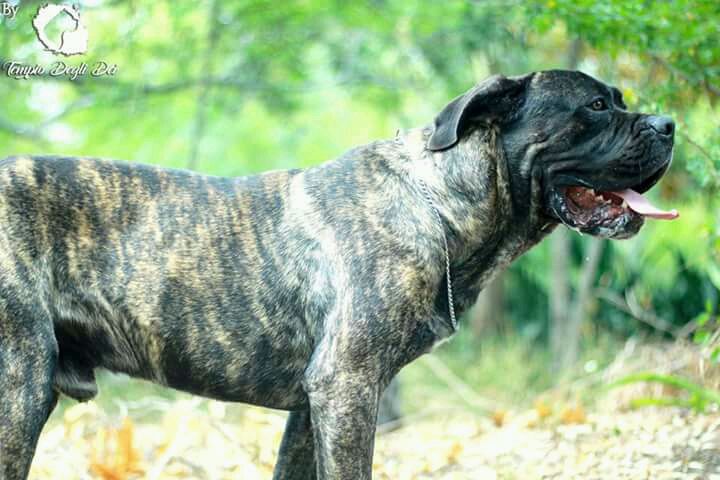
598, 104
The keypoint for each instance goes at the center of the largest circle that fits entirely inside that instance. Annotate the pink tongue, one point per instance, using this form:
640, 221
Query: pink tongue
641, 205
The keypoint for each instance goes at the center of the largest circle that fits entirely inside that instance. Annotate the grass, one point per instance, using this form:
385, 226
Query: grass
508, 371
697, 397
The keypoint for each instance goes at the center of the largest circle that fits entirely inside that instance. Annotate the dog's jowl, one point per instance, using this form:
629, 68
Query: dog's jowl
303, 290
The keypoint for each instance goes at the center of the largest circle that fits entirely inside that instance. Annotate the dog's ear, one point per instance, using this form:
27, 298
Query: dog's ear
496, 99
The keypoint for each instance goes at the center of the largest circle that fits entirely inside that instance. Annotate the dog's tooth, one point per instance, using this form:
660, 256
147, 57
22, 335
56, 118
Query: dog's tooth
624, 204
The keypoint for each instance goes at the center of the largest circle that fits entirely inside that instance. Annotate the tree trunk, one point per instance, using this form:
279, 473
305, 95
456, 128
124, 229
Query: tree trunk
571, 353
201, 107
488, 314
559, 296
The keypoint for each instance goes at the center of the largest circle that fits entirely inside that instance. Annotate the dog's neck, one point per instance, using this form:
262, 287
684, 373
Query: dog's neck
486, 224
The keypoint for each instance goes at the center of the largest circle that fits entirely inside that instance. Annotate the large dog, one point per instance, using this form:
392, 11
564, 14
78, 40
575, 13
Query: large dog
304, 290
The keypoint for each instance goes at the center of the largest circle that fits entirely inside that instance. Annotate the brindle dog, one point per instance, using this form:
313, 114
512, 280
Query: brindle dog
302, 290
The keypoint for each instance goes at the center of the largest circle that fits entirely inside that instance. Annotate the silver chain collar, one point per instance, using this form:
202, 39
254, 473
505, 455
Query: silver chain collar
451, 306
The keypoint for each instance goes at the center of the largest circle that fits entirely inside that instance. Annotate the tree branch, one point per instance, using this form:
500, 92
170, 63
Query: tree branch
21, 131
709, 87
629, 306
35, 133
700, 148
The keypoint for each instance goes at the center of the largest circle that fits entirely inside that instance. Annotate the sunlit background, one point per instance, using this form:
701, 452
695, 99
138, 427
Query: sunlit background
238, 87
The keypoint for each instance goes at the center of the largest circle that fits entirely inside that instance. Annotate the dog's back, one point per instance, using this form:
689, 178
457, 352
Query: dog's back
162, 274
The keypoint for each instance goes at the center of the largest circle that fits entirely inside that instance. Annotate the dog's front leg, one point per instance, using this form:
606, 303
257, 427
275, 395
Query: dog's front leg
28, 357
296, 460
343, 407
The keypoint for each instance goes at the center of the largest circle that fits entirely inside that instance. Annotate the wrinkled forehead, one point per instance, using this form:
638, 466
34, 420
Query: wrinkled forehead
570, 86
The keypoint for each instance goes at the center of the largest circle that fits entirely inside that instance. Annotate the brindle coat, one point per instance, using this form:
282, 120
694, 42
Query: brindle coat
303, 290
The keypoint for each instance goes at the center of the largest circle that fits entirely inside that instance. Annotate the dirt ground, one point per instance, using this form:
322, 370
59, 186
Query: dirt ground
193, 438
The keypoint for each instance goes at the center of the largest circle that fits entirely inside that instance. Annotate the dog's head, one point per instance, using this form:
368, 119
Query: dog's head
572, 133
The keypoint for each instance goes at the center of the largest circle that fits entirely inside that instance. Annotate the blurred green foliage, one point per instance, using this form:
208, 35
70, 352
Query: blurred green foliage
233, 88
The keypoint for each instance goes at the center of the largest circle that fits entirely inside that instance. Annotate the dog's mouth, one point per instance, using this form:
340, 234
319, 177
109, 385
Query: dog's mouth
607, 212
587, 205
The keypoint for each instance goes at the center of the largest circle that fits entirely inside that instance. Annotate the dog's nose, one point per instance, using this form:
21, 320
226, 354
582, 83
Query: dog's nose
662, 124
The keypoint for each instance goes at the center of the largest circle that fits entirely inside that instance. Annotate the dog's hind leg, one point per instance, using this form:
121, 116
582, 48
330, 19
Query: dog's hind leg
28, 356
296, 460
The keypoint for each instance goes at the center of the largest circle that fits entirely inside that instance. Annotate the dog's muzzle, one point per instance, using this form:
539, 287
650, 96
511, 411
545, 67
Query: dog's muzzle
611, 203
